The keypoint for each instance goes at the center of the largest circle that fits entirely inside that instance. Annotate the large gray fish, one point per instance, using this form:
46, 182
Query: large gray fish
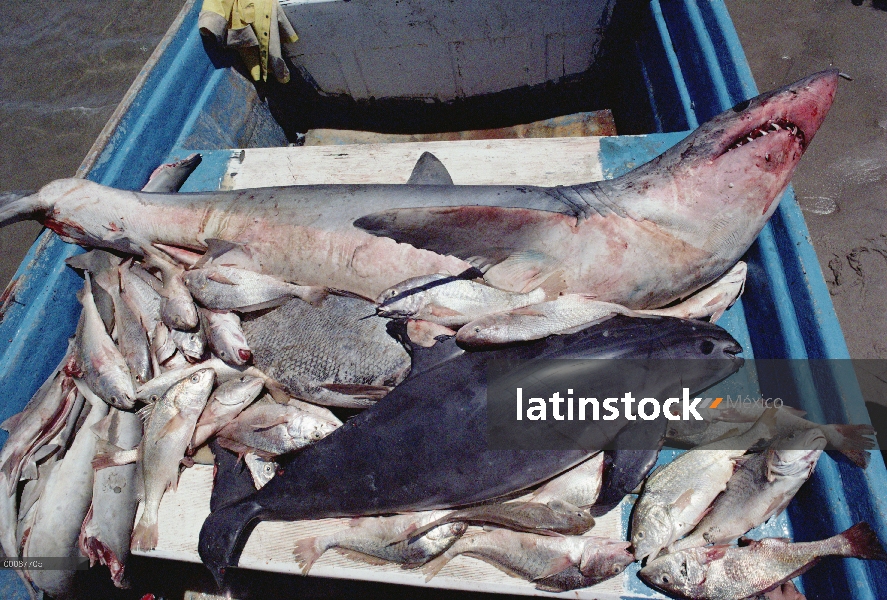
97, 359
106, 530
375, 540
692, 212
762, 487
338, 353
168, 431
63, 506
448, 462
737, 572
534, 557
677, 495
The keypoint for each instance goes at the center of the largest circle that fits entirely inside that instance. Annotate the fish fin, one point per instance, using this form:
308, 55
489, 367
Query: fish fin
443, 311
554, 285
371, 392
182, 255
683, 500
112, 456
561, 563
852, 441
486, 234
102, 428
521, 271
429, 171
361, 557
433, 567
29, 471
144, 537
219, 278
145, 412
864, 542
307, 552
313, 295
176, 422
12, 422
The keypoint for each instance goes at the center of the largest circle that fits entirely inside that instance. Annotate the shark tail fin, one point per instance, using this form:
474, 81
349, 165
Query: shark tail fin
18, 206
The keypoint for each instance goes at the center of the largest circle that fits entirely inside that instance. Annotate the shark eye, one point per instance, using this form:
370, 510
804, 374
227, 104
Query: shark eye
617, 568
477, 330
112, 400
223, 355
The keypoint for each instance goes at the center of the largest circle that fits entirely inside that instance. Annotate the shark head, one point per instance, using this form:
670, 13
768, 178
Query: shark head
733, 168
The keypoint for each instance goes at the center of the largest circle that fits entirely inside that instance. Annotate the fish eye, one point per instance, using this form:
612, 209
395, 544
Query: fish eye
706, 347
666, 579
193, 337
477, 330
154, 398
223, 355
617, 568
195, 378
640, 535
113, 399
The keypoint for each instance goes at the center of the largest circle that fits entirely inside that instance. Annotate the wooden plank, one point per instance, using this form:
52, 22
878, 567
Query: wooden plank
538, 161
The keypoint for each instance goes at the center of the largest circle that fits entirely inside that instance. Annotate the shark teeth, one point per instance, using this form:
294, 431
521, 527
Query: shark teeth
766, 129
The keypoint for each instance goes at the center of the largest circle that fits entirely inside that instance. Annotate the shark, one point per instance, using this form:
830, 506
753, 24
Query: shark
643, 240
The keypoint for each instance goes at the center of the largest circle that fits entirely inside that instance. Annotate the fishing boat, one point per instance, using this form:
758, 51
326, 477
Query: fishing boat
661, 66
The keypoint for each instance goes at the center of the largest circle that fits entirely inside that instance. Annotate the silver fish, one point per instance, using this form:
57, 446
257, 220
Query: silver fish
579, 486
168, 430
567, 314
737, 572
454, 301
141, 297
262, 470
64, 504
177, 308
555, 517
761, 488
105, 534
599, 562
372, 540
230, 288
273, 429
190, 343
692, 212
132, 339
225, 336
102, 266
227, 401
336, 354
534, 557
676, 496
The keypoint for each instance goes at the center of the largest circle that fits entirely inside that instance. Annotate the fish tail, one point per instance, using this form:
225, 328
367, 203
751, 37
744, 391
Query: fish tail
145, 535
313, 295
863, 543
18, 206
853, 441
307, 552
433, 567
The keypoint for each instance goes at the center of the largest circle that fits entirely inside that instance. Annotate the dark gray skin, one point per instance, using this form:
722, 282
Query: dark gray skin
420, 451
635, 452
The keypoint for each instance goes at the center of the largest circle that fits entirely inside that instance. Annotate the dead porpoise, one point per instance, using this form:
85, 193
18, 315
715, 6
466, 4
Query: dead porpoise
691, 212
425, 445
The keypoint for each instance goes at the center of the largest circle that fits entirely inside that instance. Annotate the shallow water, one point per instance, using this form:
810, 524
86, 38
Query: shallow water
65, 67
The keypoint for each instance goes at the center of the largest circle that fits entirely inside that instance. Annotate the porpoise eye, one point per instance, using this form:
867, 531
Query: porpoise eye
707, 347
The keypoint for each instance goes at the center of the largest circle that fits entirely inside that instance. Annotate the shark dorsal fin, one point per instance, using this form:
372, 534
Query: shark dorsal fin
429, 171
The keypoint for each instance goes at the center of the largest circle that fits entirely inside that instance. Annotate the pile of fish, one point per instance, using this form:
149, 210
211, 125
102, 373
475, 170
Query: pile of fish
238, 322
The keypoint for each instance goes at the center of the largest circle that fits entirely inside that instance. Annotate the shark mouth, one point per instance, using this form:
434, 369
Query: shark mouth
766, 129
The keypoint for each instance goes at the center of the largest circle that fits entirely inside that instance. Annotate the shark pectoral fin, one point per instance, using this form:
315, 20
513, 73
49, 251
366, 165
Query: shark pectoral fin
429, 171
489, 235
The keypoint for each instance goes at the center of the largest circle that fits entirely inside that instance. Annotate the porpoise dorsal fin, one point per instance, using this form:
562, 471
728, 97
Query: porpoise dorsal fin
429, 171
